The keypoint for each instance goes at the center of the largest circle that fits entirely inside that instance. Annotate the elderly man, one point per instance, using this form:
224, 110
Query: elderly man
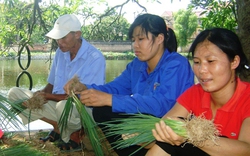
74, 56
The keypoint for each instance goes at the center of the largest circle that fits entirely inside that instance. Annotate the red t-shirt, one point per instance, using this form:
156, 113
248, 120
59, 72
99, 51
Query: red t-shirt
229, 117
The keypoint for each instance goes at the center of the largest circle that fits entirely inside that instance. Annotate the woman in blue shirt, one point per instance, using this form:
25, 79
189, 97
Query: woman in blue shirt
150, 84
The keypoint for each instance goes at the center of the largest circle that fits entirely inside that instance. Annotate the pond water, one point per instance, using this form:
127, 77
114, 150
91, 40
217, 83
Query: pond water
39, 70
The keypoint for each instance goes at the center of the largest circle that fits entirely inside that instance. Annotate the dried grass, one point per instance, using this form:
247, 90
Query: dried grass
200, 129
36, 102
76, 85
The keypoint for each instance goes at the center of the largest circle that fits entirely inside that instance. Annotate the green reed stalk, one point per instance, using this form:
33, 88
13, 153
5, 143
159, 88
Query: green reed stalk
67, 111
89, 127
88, 123
140, 126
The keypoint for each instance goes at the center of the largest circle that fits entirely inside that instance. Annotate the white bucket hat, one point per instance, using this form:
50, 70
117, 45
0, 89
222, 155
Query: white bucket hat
64, 25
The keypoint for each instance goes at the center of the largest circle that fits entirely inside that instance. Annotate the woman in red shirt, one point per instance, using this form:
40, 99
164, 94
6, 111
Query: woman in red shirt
220, 96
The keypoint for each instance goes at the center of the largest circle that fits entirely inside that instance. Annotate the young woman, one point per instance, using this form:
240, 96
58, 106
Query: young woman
150, 84
220, 96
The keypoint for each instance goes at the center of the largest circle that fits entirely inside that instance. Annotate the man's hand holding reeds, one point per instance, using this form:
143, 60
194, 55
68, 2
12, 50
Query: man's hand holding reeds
92, 97
74, 85
164, 133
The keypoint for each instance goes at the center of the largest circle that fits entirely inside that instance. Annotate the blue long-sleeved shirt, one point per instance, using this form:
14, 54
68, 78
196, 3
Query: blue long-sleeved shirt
137, 91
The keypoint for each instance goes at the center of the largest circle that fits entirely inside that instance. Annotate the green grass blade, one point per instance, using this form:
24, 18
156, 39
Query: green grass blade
86, 120
21, 150
141, 125
89, 127
8, 113
67, 111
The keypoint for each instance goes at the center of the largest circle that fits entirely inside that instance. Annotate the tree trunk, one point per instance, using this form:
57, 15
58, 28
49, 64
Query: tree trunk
244, 26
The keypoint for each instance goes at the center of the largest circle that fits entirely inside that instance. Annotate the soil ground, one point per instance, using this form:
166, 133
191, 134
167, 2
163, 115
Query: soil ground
32, 139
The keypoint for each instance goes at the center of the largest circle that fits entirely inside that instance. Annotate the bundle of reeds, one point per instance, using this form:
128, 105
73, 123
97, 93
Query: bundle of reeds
88, 123
137, 130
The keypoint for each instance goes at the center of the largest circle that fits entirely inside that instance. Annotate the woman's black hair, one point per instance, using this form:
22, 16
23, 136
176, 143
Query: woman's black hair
155, 25
227, 41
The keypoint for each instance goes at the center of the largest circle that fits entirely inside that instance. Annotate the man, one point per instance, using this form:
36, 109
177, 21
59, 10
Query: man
74, 57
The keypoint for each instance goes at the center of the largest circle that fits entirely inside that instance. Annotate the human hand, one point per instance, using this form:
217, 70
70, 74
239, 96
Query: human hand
164, 133
74, 85
92, 97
